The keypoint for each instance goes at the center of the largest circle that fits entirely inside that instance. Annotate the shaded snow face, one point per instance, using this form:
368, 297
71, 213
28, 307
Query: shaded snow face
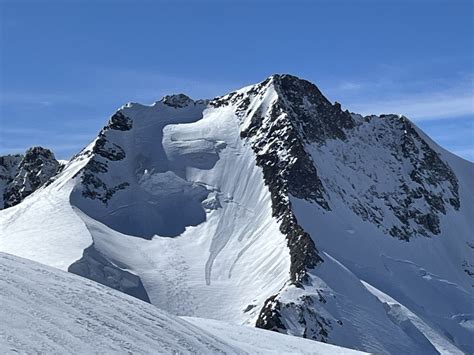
161, 171
94, 266
135, 181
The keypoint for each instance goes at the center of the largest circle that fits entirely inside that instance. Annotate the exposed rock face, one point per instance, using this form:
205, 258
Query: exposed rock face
434, 182
270, 316
300, 123
119, 122
354, 199
302, 120
22, 175
277, 140
8, 169
298, 114
102, 152
94, 266
316, 118
277, 134
277, 315
403, 191
177, 101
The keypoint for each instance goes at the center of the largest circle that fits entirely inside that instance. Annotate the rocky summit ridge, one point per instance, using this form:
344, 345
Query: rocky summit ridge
269, 206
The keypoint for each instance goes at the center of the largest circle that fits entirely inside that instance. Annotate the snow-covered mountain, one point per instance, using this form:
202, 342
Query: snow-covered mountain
48, 311
272, 207
21, 175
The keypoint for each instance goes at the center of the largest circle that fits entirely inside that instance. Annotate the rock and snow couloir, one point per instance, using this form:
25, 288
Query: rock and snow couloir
272, 207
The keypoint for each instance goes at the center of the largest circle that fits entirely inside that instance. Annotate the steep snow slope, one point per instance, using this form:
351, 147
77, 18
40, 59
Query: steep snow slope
45, 310
412, 324
44, 227
267, 206
430, 276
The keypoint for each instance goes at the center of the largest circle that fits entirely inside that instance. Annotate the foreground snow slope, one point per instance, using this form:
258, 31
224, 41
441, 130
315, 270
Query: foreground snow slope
45, 310
269, 206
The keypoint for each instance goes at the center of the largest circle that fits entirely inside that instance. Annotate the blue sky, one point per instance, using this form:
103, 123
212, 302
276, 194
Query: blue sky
66, 66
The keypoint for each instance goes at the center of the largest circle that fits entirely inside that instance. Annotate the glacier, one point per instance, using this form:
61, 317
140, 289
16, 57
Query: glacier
271, 207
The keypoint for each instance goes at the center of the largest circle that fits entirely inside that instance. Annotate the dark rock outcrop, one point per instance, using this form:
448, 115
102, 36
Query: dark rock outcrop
418, 186
277, 138
120, 122
317, 119
22, 175
102, 153
277, 135
8, 169
177, 101
274, 317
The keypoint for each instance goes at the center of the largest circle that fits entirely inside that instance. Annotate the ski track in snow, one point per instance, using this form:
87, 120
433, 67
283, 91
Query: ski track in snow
45, 310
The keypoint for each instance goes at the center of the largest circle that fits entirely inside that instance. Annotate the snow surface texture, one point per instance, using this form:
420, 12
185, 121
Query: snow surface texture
269, 206
45, 310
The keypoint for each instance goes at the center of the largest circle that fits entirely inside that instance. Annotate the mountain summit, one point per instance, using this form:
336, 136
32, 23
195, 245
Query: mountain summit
268, 206
21, 175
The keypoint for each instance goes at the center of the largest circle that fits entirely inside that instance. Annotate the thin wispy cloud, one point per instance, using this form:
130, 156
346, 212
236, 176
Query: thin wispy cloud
21, 131
421, 108
418, 100
150, 86
35, 98
123, 85
349, 86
